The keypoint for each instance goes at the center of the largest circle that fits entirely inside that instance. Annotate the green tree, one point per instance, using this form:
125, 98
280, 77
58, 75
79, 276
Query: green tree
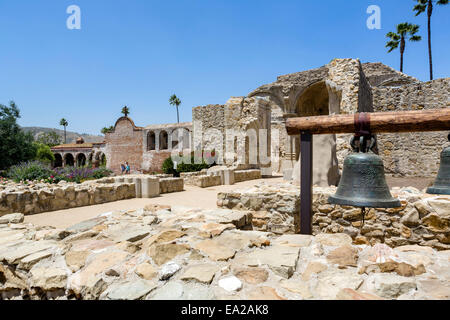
106, 130
44, 154
399, 38
175, 101
427, 5
15, 145
64, 123
50, 139
126, 111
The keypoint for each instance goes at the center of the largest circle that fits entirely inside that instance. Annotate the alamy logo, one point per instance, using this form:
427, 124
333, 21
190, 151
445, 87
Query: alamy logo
374, 21
74, 20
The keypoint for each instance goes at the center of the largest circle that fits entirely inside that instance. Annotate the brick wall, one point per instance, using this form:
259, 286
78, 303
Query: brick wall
124, 144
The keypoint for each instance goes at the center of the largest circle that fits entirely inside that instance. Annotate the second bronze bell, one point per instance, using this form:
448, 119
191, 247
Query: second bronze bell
442, 183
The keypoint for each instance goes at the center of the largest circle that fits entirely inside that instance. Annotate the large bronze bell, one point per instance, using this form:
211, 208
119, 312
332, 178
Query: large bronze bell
363, 183
442, 183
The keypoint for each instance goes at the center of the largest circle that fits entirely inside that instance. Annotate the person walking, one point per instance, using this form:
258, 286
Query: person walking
127, 168
122, 167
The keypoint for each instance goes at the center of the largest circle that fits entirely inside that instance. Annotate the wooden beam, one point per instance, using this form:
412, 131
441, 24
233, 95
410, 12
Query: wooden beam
401, 121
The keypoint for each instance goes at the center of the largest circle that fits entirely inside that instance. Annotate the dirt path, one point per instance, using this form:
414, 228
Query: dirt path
192, 197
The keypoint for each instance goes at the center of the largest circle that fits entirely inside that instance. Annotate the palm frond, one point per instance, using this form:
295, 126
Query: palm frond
392, 45
419, 8
393, 36
442, 2
415, 38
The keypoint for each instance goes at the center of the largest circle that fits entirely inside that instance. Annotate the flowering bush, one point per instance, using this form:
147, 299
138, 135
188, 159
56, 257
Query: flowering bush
3, 181
37, 171
78, 175
29, 171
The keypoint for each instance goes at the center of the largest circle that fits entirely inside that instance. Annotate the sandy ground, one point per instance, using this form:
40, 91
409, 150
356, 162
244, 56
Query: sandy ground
205, 198
192, 197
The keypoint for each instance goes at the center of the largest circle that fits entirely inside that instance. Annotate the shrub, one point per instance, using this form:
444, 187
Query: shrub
31, 170
168, 167
182, 166
192, 167
101, 172
44, 154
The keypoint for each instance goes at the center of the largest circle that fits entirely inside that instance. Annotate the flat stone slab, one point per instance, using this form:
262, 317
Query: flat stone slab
13, 255
12, 218
294, 240
34, 258
280, 259
227, 216
86, 225
128, 233
215, 250
203, 273
171, 291
134, 290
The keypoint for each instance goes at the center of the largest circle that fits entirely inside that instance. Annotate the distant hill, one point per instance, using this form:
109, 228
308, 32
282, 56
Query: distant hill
71, 136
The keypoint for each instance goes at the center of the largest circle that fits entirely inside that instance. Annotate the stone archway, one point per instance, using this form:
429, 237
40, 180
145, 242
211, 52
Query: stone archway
81, 160
163, 140
58, 163
180, 139
90, 159
315, 101
103, 160
151, 141
69, 160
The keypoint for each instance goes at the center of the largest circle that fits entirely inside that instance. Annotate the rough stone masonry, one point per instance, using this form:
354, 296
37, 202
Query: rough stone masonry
172, 253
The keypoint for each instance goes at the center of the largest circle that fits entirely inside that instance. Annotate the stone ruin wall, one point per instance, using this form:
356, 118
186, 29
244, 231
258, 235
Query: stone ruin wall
208, 124
422, 220
412, 154
224, 127
352, 92
59, 197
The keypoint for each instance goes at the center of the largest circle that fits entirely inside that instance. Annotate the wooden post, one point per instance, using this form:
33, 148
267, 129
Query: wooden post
306, 192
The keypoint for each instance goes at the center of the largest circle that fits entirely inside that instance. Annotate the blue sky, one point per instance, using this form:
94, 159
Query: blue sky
139, 52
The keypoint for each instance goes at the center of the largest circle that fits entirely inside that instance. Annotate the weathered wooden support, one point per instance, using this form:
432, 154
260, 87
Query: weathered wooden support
306, 154
403, 121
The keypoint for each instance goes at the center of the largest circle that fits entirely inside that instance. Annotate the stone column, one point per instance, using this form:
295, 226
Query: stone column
150, 187
228, 177
138, 184
157, 133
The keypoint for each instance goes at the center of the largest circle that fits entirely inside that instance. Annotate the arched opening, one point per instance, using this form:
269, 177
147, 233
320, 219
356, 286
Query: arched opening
163, 140
58, 163
81, 160
151, 141
314, 101
180, 139
69, 160
103, 160
90, 159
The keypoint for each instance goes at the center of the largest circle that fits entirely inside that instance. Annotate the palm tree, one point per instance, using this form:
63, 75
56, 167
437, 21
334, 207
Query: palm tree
126, 111
175, 101
420, 7
399, 38
64, 123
